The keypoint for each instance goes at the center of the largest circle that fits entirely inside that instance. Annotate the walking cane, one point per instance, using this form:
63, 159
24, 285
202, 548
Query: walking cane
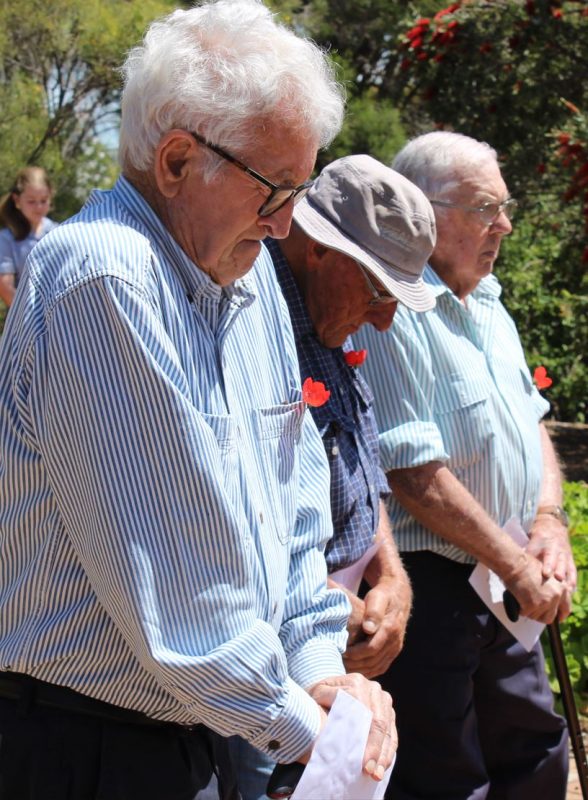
512, 608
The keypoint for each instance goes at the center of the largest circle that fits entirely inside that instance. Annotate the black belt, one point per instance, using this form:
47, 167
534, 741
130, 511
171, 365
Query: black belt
30, 691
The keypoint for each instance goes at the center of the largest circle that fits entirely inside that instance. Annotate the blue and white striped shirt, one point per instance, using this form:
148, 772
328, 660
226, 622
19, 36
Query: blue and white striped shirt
165, 497
452, 385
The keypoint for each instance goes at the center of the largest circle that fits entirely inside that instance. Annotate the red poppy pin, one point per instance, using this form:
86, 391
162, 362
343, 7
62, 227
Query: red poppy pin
314, 393
541, 378
355, 358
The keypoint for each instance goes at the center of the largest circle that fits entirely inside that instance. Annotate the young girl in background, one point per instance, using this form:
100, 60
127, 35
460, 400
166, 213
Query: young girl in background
23, 218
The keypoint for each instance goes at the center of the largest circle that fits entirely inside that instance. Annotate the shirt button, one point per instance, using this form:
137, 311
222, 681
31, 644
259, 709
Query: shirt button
335, 451
274, 744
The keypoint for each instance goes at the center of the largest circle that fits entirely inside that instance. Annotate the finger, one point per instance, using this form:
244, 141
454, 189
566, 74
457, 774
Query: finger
375, 608
378, 752
372, 658
560, 568
565, 607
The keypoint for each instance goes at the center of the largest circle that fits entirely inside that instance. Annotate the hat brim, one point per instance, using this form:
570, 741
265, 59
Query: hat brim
409, 289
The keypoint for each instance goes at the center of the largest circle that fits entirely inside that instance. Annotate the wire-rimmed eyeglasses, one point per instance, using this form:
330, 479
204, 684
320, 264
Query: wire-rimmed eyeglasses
279, 194
378, 298
489, 212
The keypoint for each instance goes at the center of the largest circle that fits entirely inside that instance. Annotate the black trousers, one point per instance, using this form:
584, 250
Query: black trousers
473, 708
57, 754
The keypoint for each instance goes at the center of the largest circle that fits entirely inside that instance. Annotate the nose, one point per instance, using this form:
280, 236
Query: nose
502, 224
277, 225
381, 317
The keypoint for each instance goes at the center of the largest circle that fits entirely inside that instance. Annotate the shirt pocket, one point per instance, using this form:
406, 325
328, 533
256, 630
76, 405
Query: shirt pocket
277, 430
463, 417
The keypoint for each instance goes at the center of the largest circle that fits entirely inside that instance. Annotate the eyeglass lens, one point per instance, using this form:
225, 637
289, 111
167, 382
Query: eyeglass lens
490, 211
279, 197
378, 298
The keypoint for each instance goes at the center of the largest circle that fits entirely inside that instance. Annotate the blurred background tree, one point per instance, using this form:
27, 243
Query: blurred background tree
59, 89
510, 72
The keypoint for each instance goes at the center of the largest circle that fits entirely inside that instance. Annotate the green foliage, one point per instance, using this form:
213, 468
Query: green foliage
574, 630
59, 88
371, 126
548, 297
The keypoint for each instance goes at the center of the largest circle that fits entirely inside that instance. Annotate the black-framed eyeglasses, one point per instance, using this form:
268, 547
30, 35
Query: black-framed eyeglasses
489, 212
378, 298
279, 194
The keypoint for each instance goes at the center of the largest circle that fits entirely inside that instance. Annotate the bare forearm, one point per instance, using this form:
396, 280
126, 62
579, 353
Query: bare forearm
551, 487
386, 562
434, 496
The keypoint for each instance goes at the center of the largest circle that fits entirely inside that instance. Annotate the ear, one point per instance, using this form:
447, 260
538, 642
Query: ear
173, 156
315, 253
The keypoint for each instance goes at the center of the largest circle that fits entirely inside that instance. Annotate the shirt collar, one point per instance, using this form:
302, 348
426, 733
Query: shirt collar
488, 286
196, 282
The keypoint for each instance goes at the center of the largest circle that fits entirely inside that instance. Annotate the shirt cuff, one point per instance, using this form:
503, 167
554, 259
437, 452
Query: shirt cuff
294, 731
411, 445
316, 660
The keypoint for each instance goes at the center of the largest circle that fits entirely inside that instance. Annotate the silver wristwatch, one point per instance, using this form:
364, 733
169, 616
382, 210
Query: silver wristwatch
555, 511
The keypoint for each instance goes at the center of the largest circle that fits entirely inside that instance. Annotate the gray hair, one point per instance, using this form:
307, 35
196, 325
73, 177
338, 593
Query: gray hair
437, 161
218, 69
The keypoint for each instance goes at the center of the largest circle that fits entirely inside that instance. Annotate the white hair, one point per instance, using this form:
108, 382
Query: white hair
218, 69
437, 161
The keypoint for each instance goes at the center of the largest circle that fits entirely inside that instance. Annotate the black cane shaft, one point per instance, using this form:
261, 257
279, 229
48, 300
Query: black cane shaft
569, 704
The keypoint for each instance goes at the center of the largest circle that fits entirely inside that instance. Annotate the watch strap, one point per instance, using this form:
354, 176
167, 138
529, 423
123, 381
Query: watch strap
555, 511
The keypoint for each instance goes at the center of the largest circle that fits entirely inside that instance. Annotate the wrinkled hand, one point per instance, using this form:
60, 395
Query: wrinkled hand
550, 543
542, 599
383, 625
382, 739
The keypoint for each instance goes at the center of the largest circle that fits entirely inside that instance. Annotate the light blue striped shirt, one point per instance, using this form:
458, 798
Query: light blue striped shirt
452, 385
165, 496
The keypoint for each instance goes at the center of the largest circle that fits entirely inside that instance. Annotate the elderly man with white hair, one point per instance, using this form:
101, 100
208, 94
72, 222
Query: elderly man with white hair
469, 463
164, 491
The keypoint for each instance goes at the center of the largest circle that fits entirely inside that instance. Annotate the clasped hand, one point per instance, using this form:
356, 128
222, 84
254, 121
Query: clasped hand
382, 739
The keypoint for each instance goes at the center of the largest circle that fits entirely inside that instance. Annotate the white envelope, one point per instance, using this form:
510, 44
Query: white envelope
491, 589
334, 771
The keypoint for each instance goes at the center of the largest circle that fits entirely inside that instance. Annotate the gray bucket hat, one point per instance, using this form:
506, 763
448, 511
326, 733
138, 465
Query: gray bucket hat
376, 216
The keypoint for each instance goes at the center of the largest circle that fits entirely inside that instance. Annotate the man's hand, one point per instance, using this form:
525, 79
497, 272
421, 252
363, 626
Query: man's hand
382, 739
385, 616
549, 542
540, 599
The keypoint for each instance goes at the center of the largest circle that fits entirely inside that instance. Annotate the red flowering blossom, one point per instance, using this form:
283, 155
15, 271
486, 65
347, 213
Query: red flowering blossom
355, 358
541, 378
416, 43
314, 393
444, 11
415, 32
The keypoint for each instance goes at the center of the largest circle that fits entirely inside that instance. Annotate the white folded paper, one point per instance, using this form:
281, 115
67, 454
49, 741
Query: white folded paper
350, 577
491, 589
334, 771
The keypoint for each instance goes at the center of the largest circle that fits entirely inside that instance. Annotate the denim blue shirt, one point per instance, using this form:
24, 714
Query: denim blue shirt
348, 427
164, 492
452, 385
